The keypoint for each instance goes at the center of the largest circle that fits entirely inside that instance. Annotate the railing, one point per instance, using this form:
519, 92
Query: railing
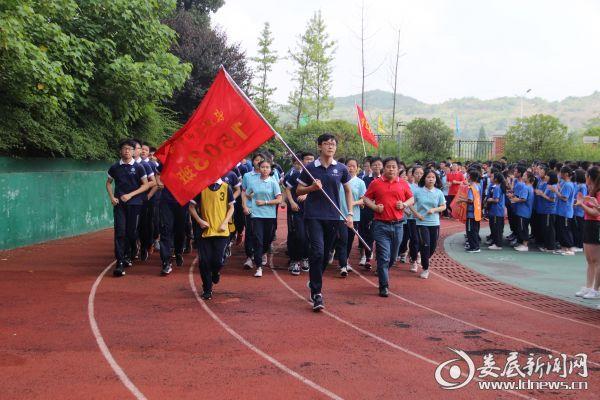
473, 149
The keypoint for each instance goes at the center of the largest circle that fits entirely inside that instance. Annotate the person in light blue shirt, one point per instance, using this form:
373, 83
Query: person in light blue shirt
496, 202
429, 203
564, 212
267, 196
247, 205
522, 201
546, 210
578, 211
415, 175
346, 235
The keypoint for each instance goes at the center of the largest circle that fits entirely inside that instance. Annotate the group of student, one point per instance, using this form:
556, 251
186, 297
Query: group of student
551, 206
394, 208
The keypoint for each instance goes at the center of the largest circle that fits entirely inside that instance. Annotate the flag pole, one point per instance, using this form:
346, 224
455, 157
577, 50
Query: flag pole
360, 129
278, 136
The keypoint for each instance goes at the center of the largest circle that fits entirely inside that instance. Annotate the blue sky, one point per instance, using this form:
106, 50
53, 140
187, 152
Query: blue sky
453, 49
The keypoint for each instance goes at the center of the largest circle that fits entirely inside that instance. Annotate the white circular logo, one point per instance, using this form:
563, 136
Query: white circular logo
455, 371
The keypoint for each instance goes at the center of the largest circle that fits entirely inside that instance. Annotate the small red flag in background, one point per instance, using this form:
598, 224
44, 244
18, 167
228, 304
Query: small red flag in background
224, 129
364, 129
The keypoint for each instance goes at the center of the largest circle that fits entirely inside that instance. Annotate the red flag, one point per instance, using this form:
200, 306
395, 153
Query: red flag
224, 128
364, 129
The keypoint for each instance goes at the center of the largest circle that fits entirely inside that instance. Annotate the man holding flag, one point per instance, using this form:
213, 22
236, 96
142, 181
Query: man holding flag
320, 216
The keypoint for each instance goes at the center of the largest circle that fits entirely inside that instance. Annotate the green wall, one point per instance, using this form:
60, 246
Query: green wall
44, 199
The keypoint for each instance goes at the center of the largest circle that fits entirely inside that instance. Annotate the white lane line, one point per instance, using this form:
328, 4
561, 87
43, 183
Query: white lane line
467, 323
255, 349
382, 340
102, 345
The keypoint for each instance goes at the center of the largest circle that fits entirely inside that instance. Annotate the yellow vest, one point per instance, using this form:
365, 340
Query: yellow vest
213, 209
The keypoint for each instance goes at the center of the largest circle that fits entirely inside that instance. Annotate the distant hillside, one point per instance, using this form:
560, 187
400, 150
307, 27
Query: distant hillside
494, 115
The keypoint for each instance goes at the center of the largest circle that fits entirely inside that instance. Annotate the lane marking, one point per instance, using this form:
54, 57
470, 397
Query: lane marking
467, 323
255, 349
102, 344
382, 340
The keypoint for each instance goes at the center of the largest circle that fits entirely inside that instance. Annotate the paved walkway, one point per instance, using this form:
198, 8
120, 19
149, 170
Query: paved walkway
552, 275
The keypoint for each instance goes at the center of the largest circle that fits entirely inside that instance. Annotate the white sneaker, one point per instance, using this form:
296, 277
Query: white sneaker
521, 247
349, 268
424, 274
344, 272
331, 257
264, 260
305, 266
258, 272
559, 252
363, 261
248, 264
414, 267
583, 291
419, 258
577, 249
494, 247
592, 294
568, 253
295, 269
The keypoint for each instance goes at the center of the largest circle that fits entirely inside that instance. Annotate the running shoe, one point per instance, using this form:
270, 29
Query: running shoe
206, 295
119, 270
383, 291
178, 260
264, 260
494, 247
318, 302
258, 272
424, 274
363, 261
248, 264
166, 269
295, 269
521, 247
414, 267
216, 277
592, 294
344, 272
305, 265
583, 291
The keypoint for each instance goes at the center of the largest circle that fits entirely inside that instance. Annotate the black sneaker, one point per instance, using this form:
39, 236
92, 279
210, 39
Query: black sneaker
206, 295
127, 263
216, 277
318, 302
143, 254
178, 260
383, 291
119, 270
166, 269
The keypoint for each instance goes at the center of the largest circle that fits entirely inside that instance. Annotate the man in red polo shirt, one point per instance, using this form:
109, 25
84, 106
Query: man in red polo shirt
454, 179
388, 197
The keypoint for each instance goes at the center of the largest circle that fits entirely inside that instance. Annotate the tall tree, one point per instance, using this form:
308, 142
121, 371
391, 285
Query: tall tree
205, 48
483, 149
264, 64
301, 57
536, 137
427, 140
321, 50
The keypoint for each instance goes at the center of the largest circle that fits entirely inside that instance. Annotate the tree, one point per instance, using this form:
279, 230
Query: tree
483, 148
203, 6
427, 140
297, 99
321, 51
206, 49
537, 137
264, 61
77, 76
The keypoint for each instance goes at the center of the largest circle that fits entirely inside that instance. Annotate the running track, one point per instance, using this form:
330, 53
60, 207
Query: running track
67, 331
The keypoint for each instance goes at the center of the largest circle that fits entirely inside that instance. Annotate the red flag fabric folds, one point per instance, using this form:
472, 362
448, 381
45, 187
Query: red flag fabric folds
364, 129
224, 129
